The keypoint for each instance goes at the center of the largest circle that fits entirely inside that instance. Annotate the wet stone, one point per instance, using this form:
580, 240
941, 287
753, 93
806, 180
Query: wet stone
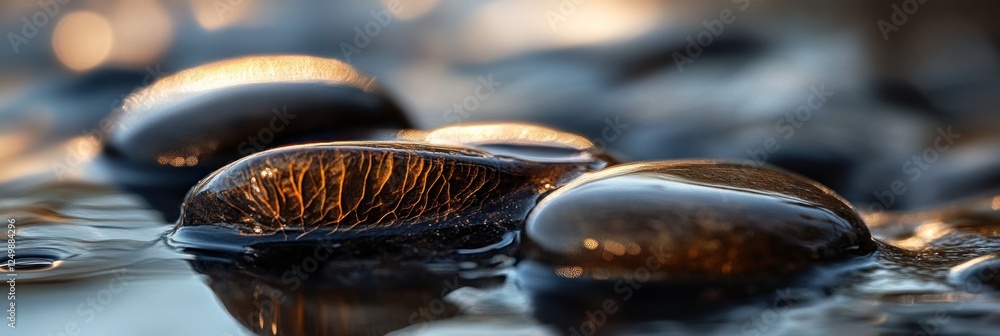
692, 221
167, 136
521, 141
375, 198
229, 109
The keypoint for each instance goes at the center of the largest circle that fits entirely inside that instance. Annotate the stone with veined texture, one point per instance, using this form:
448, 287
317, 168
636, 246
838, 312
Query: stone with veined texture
404, 192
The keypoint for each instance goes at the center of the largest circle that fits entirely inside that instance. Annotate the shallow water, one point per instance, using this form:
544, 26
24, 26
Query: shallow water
108, 270
96, 262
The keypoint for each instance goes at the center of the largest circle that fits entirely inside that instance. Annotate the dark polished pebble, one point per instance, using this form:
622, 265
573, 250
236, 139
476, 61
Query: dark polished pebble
167, 136
225, 110
692, 221
681, 240
408, 194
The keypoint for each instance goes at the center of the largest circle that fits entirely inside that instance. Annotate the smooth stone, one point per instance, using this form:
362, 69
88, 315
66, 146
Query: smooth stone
692, 221
978, 275
169, 135
521, 141
399, 197
217, 112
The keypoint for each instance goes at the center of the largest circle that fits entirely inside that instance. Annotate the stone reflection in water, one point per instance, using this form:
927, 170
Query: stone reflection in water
679, 234
441, 198
168, 135
324, 298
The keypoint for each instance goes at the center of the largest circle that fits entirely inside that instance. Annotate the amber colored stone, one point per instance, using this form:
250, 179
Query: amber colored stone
692, 220
369, 189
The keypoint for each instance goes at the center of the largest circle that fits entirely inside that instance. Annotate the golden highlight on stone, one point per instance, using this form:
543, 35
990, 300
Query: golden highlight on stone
352, 187
517, 140
508, 134
250, 70
213, 114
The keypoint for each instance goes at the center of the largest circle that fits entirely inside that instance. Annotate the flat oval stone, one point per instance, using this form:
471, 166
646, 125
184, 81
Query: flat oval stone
215, 113
339, 191
692, 221
167, 136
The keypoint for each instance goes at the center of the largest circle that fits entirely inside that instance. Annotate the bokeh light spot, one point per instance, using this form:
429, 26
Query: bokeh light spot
82, 40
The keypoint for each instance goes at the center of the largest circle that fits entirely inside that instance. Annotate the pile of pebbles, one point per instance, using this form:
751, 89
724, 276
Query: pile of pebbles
266, 160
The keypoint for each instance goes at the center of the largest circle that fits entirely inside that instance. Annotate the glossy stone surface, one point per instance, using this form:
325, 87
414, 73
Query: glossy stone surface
167, 136
383, 190
221, 111
692, 221
520, 140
